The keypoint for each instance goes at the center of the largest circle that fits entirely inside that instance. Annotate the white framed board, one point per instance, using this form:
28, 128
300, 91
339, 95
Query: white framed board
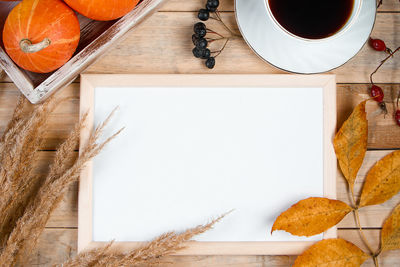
197, 146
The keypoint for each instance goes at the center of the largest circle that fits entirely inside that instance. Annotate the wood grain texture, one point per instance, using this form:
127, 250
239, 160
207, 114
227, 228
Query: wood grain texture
168, 49
61, 122
162, 45
228, 5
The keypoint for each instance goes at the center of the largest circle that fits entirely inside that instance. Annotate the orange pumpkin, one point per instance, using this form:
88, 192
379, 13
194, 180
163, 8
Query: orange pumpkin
41, 35
102, 9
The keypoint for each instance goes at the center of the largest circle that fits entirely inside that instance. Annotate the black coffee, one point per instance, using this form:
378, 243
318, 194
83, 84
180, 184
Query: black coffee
312, 19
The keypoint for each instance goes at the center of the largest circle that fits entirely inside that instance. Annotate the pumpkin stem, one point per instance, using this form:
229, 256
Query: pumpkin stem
27, 46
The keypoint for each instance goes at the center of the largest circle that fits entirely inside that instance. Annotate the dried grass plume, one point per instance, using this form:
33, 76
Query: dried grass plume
162, 246
25, 202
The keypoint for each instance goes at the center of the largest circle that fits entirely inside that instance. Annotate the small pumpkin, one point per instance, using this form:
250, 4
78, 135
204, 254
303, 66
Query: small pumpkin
41, 35
102, 9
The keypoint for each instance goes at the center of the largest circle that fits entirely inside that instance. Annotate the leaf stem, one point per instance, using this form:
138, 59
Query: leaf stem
363, 237
210, 40
353, 197
214, 32
376, 260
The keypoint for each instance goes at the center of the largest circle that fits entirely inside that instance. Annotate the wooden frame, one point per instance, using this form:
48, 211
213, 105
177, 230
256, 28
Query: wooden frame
327, 82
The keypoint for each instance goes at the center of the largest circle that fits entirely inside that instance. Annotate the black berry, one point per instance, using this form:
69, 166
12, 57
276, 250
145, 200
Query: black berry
210, 8
203, 15
197, 52
199, 26
206, 53
195, 38
213, 3
201, 32
210, 62
201, 43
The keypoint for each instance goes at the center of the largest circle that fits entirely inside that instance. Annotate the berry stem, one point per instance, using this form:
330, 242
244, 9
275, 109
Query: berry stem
381, 64
222, 22
210, 40
214, 32
397, 102
220, 51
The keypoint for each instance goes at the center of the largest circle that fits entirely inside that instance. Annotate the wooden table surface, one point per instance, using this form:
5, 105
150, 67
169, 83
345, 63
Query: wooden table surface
162, 44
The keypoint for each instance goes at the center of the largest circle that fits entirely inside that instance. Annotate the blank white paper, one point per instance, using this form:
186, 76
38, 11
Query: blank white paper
189, 154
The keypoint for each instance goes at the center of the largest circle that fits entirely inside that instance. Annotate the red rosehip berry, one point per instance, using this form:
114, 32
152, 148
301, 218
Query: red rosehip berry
397, 117
377, 93
378, 45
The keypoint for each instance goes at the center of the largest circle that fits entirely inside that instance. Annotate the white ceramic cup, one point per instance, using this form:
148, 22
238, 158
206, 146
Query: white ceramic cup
354, 14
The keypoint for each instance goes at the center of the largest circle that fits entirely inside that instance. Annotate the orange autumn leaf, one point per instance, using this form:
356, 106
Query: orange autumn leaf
332, 253
351, 143
383, 181
311, 216
390, 235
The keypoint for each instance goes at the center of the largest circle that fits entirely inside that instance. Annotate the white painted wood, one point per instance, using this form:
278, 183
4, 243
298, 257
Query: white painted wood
52, 82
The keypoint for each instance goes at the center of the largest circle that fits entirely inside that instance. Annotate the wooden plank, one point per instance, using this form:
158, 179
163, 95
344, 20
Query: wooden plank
57, 245
390, 6
227, 5
384, 133
167, 46
54, 247
194, 5
61, 121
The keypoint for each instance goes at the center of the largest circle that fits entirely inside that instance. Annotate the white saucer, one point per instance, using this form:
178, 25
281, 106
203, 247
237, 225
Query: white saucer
293, 54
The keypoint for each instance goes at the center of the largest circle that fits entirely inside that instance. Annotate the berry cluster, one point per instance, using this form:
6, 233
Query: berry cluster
376, 92
211, 6
201, 43
200, 38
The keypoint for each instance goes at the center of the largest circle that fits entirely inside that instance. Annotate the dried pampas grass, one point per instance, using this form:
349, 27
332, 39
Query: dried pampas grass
18, 150
27, 201
20, 230
163, 245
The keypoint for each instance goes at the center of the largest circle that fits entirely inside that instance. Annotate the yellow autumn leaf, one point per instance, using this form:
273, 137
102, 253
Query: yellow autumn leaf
383, 181
390, 235
351, 143
332, 253
311, 216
